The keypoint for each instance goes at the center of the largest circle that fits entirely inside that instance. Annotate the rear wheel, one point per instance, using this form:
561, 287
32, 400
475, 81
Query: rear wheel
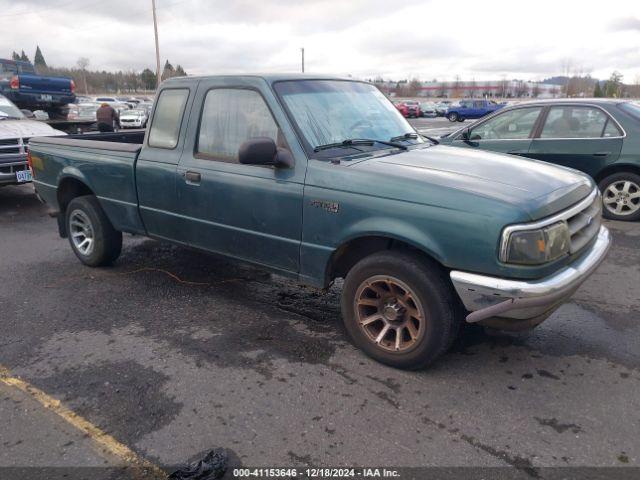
621, 196
400, 309
91, 235
453, 116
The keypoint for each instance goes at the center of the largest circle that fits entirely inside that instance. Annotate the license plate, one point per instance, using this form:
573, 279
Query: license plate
23, 176
46, 98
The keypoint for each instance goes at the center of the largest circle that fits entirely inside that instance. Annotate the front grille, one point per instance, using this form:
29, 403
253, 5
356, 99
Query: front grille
11, 147
584, 225
13, 167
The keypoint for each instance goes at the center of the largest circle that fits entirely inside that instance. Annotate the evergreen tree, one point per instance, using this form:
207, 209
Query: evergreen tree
597, 92
38, 59
180, 71
168, 71
15, 56
24, 57
148, 79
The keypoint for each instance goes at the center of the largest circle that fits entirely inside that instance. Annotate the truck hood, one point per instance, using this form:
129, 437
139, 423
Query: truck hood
536, 187
25, 128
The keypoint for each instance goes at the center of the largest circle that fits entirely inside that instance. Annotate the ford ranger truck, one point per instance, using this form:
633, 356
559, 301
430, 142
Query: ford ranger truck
321, 178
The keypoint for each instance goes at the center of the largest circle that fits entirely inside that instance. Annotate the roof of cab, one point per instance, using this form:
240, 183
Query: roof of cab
268, 77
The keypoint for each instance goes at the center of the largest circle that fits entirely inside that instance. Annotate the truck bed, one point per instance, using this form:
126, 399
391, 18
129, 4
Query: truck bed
105, 162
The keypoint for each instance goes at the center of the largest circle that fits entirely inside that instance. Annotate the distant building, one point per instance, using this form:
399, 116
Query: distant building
477, 89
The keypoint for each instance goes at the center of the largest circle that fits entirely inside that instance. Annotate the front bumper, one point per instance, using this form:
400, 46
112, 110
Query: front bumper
8, 170
517, 304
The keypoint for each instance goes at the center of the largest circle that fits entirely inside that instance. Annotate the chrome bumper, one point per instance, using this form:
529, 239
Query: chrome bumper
491, 297
8, 170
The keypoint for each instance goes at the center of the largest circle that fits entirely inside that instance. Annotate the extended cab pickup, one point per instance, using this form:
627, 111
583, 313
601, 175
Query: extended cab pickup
465, 109
321, 178
20, 83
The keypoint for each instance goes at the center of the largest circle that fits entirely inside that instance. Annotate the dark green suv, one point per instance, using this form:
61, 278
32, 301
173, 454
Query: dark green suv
597, 136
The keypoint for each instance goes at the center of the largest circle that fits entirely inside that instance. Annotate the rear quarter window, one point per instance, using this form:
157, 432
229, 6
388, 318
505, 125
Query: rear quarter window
165, 126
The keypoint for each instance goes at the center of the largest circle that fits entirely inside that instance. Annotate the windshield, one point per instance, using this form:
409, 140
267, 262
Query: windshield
136, 113
8, 109
332, 111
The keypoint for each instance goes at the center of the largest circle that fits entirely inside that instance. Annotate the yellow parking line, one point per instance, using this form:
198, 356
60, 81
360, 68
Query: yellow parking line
141, 467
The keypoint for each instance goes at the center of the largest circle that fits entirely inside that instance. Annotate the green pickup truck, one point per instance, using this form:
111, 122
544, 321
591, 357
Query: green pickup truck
320, 178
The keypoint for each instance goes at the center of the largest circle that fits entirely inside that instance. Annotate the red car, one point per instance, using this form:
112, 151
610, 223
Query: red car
402, 108
413, 108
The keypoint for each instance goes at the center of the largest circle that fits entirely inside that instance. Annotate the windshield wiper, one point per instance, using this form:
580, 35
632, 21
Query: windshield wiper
413, 136
405, 136
351, 142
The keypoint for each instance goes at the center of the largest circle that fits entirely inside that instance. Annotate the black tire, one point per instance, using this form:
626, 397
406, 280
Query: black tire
453, 116
460, 119
107, 242
428, 282
630, 211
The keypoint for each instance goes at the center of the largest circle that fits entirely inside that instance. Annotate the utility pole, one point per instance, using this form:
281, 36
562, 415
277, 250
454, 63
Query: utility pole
302, 52
155, 29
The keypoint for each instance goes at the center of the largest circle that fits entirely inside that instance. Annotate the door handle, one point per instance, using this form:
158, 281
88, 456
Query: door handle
192, 177
601, 154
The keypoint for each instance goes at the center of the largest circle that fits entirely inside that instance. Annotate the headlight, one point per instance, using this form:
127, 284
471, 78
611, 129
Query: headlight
534, 247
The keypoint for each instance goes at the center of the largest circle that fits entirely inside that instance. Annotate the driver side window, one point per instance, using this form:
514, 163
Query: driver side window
513, 125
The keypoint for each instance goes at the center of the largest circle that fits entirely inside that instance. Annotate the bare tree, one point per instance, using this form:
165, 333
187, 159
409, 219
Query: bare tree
83, 63
535, 90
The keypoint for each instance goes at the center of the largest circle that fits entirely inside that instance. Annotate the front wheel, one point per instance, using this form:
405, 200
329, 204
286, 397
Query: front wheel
453, 117
400, 309
621, 196
91, 235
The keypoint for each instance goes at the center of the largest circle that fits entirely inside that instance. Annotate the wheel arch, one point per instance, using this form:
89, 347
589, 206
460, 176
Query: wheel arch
69, 187
616, 168
354, 249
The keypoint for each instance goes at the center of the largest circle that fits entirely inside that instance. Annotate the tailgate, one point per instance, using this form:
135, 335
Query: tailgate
40, 84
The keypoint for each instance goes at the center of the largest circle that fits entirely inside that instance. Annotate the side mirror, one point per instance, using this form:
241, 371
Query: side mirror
466, 135
263, 151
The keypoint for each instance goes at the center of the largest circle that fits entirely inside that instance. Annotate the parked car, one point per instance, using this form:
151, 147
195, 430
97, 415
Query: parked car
135, 118
466, 109
288, 172
597, 136
83, 111
15, 131
114, 102
442, 107
428, 109
413, 108
20, 83
402, 108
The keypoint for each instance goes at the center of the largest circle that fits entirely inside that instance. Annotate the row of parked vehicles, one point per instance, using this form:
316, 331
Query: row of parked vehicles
51, 98
133, 112
456, 112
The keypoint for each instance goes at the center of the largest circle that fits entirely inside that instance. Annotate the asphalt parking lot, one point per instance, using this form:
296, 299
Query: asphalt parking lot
171, 352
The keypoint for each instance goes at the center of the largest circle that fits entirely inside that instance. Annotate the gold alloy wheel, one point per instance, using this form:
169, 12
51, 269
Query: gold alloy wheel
389, 313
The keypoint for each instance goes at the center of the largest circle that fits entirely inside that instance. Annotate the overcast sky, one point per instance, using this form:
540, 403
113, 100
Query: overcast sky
479, 39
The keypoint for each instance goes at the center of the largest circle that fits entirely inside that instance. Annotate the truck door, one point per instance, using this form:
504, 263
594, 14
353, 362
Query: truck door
578, 136
248, 212
158, 160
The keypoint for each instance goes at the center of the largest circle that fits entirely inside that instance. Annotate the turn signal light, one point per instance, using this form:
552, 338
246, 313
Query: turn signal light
14, 83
